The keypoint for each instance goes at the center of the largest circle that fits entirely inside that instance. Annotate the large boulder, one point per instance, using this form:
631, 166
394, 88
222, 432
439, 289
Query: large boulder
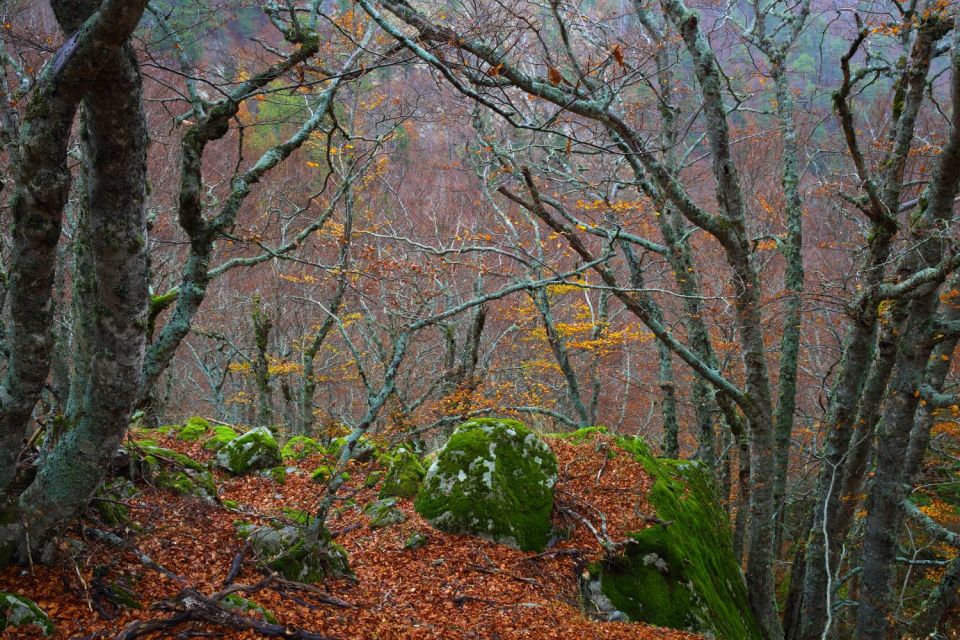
17, 612
682, 573
253, 451
494, 479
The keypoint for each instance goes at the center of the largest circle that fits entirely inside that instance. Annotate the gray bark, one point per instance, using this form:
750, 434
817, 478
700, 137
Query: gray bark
116, 190
41, 187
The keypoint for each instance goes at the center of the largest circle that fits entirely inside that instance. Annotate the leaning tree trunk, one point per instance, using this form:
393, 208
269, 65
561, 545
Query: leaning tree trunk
116, 190
41, 187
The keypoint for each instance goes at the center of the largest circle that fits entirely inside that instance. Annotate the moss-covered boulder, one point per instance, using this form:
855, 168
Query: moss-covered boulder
683, 574
222, 434
404, 475
195, 428
365, 449
253, 451
286, 550
384, 513
299, 447
20, 613
494, 479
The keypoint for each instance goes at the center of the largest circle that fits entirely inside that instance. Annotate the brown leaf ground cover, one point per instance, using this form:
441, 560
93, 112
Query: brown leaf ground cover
455, 587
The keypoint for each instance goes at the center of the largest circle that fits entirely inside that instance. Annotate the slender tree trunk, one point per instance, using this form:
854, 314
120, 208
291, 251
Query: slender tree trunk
792, 249
261, 367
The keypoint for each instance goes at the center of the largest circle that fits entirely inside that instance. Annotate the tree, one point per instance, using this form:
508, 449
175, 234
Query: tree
95, 66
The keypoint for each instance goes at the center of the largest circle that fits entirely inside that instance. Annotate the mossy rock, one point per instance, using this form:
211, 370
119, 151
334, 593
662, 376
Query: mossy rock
151, 454
415, 541
683, 575
494, 479
404, 476
384, 513
199, 484
365, 449
373, 479
143, 433
277, 474
299, 447
286, 551
245, 605
222, 434
19, 612
580, 435
254, 450
193, 429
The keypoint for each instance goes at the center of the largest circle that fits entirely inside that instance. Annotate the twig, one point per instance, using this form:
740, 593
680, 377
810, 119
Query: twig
236, 565
555, 552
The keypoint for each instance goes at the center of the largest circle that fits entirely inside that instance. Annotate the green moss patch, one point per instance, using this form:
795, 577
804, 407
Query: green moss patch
173, 471
404, 475
222, 434
494, 479
299, 447
384, 513
254, 450
683, 575
19, 612
194, 429
245, 605
321, 474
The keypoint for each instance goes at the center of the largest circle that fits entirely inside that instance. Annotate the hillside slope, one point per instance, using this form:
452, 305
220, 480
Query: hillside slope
452, 587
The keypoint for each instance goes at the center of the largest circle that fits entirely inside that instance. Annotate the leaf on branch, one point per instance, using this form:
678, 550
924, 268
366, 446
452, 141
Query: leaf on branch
617, 54
554, 76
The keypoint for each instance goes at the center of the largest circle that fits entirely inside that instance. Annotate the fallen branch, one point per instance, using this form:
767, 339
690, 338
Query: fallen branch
236, 565
321, 595
192, 606
554, 553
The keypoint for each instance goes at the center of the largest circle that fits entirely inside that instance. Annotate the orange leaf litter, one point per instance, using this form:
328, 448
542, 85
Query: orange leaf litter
456, 587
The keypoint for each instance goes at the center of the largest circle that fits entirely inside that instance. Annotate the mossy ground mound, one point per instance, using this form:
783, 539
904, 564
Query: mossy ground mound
285, 550
23, 614
222, 434
174, 471
404, 476
193, 429
299, 447
494, 479
683, 575
253, 451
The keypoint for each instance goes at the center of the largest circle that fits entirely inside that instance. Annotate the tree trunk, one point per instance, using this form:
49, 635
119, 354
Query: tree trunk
116, 155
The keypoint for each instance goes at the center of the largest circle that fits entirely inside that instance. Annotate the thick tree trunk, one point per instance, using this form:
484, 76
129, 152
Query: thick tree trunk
116, 157
41, 187
885, 504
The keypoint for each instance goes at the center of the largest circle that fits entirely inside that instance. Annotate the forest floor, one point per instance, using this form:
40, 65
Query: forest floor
453, 587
